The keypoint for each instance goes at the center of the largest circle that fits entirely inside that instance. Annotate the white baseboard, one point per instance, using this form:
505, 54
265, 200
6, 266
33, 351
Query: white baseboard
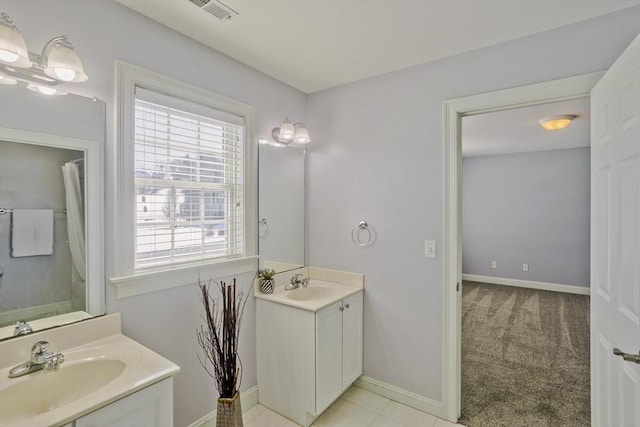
405, 397
544, 286
35, 312
248, 399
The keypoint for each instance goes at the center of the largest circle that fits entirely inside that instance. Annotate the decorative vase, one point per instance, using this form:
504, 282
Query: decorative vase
266, 286
229, 412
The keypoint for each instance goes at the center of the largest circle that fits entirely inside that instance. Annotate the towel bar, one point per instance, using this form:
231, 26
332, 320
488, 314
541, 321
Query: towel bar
9, 210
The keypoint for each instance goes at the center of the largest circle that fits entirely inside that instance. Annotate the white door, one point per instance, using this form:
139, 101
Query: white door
615, 234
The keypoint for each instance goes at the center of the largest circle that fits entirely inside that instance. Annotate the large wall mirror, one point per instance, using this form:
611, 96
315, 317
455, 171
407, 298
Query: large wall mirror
281, 207
51, 204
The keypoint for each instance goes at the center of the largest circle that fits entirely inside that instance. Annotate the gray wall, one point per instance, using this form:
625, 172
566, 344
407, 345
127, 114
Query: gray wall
31, 178
102, 31
528, 208
377, 155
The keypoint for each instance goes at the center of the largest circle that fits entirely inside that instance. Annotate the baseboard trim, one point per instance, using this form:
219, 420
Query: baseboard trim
405, 397
248, 399
544, 286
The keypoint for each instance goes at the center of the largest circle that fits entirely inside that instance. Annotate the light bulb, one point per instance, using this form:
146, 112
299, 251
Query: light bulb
13, 49
45, 90
62, 62
7, 56
7, 81
287, 131
302, 135
64, 74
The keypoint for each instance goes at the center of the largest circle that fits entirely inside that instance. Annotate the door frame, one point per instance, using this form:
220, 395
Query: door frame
454, 110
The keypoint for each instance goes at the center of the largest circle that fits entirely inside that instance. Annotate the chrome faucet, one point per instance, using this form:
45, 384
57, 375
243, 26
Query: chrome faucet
40, 359
22, 328
296, 281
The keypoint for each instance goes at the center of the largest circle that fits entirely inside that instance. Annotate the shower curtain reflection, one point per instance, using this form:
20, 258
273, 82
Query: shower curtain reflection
75, 230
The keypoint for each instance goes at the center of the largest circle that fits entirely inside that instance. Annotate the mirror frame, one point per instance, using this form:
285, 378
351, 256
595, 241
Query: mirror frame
93, 212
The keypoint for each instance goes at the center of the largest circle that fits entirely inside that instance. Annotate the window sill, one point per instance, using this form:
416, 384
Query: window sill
157, 280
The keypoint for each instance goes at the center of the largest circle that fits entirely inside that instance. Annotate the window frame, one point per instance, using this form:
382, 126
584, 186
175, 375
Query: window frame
127, 279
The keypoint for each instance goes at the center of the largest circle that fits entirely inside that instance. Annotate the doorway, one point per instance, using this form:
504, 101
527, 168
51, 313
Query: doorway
525, 267
454, 110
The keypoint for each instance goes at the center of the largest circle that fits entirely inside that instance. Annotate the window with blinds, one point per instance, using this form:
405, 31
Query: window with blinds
188, 181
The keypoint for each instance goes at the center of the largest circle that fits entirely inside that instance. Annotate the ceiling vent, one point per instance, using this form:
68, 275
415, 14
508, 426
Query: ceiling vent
216, 8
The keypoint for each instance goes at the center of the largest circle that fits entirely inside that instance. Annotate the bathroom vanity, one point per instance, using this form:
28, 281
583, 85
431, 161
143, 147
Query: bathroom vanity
309, 342
105, 379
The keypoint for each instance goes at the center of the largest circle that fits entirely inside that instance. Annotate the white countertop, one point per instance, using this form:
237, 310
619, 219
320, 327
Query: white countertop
336, 293
335, 285
142, 367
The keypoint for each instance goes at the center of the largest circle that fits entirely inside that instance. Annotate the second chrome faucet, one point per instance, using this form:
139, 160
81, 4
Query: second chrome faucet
296, 281
40, 359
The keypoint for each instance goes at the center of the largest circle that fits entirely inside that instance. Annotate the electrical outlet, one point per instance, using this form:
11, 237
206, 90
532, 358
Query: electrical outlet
494, 264
430, 249
525, 267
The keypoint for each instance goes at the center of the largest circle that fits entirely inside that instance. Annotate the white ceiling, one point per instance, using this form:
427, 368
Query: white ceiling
317, 44
518, 130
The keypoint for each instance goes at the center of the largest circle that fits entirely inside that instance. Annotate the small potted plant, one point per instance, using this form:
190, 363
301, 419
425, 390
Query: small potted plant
266, 280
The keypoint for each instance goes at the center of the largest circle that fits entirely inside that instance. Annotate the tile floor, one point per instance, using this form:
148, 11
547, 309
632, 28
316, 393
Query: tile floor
356, 408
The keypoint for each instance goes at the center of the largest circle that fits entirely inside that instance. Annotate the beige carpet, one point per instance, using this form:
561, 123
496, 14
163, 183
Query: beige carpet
525, 357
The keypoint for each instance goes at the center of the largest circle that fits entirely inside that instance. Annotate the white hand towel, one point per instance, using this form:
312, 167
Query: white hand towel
31, 232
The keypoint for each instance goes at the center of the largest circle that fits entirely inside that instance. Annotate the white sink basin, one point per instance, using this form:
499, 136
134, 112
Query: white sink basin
311, 292
100, 367
43, 391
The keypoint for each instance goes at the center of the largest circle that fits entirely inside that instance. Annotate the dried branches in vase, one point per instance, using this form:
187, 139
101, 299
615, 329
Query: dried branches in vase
219, 342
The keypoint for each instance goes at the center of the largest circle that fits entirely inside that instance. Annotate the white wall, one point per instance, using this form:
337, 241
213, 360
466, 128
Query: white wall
528, 208
103, 31
377, 155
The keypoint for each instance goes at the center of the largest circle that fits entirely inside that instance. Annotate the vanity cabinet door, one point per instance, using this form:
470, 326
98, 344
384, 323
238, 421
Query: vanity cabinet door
328, 355
351, 339
149, 407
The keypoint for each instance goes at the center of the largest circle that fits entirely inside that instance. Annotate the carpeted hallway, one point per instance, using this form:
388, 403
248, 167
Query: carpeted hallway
525, 357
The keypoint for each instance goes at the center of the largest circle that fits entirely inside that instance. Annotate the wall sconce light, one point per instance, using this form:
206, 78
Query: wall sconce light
557, 122
58, 62
288, 133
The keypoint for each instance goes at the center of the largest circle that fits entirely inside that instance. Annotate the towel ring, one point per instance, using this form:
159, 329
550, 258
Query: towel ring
355, 234
264, 224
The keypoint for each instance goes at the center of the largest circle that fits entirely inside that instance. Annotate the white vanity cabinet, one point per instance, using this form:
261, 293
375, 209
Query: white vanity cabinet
338, 349
150, 407
307, 358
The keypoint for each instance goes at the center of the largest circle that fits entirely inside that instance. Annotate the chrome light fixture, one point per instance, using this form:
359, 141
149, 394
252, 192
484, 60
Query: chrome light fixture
13, 48
58, 62
288, 133
556, 122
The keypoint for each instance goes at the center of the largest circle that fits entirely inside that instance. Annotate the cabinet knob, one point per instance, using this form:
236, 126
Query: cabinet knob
346, 305
341, 308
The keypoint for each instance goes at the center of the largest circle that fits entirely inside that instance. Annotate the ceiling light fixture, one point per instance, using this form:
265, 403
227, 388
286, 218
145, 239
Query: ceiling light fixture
58, 62
288, 133
557, 122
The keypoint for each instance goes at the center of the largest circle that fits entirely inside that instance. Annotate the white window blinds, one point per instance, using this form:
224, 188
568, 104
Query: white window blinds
188, 181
